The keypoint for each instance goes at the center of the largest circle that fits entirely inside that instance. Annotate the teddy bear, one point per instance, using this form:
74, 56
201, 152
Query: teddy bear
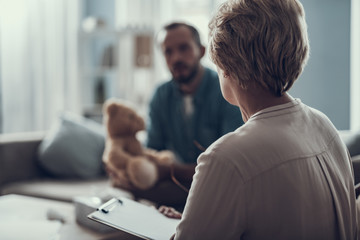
129, 164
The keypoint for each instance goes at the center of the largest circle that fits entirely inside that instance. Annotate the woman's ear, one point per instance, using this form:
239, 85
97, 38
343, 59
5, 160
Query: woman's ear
222, 73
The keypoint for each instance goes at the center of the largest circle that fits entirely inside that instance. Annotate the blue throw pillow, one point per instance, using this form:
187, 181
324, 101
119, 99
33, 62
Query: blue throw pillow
73, 148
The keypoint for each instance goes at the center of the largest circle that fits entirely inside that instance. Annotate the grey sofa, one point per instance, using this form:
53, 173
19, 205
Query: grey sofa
20, 173
352, 141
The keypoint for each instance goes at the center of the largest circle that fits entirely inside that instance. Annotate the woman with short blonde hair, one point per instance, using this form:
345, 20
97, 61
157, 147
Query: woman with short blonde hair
285, 173
262, 42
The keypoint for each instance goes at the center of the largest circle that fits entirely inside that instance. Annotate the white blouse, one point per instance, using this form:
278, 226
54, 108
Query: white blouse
285, 174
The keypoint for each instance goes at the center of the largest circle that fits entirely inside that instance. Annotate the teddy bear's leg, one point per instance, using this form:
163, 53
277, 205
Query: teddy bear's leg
142, 173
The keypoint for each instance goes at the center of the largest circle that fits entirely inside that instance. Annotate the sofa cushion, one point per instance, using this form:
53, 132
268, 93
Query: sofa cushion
73, 148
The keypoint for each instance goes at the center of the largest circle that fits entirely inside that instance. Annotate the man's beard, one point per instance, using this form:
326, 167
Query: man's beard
190, 77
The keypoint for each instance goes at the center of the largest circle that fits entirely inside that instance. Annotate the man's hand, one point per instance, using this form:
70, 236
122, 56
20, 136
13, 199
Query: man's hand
170, 212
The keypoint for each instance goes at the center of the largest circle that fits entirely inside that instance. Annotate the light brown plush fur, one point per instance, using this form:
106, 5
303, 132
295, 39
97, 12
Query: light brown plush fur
127, 162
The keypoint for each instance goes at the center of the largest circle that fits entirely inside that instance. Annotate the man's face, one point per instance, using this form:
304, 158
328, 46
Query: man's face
182, 54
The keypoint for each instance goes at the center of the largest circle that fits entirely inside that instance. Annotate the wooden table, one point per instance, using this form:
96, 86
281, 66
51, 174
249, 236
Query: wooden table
23, 217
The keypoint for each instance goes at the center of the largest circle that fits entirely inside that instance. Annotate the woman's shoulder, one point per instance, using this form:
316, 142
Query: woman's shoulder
231, 144
243, 150
247, 136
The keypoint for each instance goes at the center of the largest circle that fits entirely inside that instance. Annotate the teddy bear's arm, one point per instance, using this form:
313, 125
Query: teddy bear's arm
116, 161
133, 146
116, 156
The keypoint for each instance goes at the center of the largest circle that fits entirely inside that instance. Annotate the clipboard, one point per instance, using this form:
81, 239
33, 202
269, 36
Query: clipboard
135, 218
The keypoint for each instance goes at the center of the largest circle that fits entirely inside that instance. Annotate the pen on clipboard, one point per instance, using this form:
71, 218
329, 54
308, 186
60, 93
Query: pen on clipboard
110, 205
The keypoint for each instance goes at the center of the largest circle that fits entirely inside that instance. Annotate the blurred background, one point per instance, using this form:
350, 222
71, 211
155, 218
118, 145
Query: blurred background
72, 55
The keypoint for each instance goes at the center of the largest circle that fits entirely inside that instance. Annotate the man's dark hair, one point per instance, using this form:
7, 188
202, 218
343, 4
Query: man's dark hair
192, 29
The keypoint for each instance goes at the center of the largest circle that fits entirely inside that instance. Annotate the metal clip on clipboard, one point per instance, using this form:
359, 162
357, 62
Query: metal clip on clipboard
110, 205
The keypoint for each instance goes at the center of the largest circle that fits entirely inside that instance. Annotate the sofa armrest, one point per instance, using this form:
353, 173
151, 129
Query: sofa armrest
357, 190
18, 156
345, 135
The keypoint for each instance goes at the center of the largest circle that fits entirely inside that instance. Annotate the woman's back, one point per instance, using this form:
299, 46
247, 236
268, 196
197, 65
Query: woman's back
290, 174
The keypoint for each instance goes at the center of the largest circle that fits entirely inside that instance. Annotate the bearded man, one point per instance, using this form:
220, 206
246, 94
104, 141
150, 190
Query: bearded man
187, 113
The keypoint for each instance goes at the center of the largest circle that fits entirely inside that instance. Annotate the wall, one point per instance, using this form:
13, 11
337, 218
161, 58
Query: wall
103, 9
325, 82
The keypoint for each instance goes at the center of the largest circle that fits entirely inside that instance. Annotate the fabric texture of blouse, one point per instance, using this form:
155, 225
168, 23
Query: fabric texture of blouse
285, 174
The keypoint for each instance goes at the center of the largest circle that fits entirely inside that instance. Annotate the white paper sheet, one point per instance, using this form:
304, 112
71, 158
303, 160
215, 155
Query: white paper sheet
138, 219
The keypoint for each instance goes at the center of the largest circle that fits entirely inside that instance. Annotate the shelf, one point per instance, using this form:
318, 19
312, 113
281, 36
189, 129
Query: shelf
102, 32
122, 58
98, 72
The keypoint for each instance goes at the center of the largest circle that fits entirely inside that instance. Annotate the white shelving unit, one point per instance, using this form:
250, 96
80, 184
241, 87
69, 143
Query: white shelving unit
115, 63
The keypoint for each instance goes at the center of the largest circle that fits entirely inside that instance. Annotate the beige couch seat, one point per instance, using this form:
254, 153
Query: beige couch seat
64, 190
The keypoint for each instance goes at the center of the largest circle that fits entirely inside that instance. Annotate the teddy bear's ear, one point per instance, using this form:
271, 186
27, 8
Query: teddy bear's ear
111, 109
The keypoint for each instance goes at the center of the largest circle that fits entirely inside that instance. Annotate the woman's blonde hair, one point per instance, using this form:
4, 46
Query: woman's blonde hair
260, 41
